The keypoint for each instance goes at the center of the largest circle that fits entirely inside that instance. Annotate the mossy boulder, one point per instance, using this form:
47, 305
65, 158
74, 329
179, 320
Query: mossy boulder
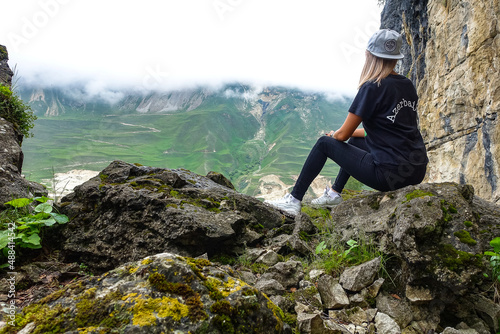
131, 211
422, 229
159, 294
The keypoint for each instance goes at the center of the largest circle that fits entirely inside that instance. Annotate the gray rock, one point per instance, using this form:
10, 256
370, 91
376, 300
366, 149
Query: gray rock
314, 324
162, 293
129, 212
386, 325
270, 286
397, 309
269, 258
331, 292
315, 274
248, 277
12, 183
449, 330
487, 310
418, 295
289, 273
359, 277
6, 73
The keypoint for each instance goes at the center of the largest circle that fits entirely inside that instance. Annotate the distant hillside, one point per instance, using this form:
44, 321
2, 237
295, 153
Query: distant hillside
257, 138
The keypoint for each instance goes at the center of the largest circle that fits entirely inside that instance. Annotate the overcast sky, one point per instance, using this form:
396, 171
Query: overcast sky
155, 44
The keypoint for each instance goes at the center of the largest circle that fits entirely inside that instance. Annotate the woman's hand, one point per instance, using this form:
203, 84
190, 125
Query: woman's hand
330, 134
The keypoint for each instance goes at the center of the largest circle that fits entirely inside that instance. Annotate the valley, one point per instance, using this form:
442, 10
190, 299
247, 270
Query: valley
259, 140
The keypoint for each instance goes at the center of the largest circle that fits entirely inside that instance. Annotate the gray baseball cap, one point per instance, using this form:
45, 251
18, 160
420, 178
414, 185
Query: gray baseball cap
386, 43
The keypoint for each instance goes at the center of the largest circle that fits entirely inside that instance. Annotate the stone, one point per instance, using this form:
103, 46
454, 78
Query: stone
397, 309
248, 277
314, 324
269, 258
331, 292
449, 330
270, 286
418, 295
128, 212
386, 325
315, 274
6, 73
452, 51
12, 183
359, 277
289, 273
487, 310
163, 292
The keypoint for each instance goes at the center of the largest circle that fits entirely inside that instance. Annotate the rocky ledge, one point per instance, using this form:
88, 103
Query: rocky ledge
176, 251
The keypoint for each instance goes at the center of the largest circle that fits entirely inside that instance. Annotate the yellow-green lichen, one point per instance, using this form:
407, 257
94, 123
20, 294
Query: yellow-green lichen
146, 310
147, 261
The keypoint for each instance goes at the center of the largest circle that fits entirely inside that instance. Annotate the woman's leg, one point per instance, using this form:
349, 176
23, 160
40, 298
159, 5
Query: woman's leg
355, 161
343, 176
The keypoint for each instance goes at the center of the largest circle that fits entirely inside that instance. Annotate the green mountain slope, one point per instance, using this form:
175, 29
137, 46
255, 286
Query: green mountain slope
242, 133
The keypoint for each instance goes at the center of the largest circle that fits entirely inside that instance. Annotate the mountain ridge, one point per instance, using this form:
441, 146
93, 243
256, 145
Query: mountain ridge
251, 134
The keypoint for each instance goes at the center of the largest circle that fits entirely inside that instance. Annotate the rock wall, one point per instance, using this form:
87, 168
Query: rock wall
452, 55
5, 71
12, 184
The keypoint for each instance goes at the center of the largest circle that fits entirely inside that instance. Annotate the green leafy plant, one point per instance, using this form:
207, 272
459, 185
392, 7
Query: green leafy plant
21, 225
13, 109
495, 265
494, 259
334, 256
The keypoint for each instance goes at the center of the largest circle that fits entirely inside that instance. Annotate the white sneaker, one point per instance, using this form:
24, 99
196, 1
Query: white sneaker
287, 203
326, 199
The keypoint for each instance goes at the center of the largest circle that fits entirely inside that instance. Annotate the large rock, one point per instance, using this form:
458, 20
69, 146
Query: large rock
128, 212
161, 293
12, 184
5, 71
434, 236
452, 51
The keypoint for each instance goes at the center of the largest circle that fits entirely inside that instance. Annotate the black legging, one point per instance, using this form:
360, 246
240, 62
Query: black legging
355, 160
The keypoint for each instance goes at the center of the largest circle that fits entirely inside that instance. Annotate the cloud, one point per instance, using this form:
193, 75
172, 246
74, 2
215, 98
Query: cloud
161, 44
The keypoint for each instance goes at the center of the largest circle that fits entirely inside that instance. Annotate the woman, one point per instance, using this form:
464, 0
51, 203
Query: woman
389, 152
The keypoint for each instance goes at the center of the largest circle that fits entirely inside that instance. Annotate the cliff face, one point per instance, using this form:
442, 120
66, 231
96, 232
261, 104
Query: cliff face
5, 71
452, 55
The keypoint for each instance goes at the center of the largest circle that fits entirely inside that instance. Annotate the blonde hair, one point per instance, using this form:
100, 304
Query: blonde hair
376, 69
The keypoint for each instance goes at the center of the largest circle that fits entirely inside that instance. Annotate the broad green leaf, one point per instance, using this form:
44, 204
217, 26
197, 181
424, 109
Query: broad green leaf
490, 254
19, 202
42, 199
44, 207
49, 222
61, 219
352, 242
495, 243
41, 216
23, 227
5, 265
4, 238
33, 239
32, 246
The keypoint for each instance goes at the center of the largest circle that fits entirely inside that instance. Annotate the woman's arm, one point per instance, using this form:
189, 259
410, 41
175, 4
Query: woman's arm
348, 129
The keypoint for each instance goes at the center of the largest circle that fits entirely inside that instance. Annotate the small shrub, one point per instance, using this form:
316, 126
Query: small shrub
13, 109
21, 226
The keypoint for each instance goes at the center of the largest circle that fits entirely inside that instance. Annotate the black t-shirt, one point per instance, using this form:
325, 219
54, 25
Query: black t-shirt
389, 114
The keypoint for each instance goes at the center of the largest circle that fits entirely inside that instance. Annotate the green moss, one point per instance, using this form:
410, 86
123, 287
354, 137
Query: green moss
465, 237
417, 193
316, 213
92, 311
47, 319
221, 307
468, 223
456, 260
223, 323
259, 268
